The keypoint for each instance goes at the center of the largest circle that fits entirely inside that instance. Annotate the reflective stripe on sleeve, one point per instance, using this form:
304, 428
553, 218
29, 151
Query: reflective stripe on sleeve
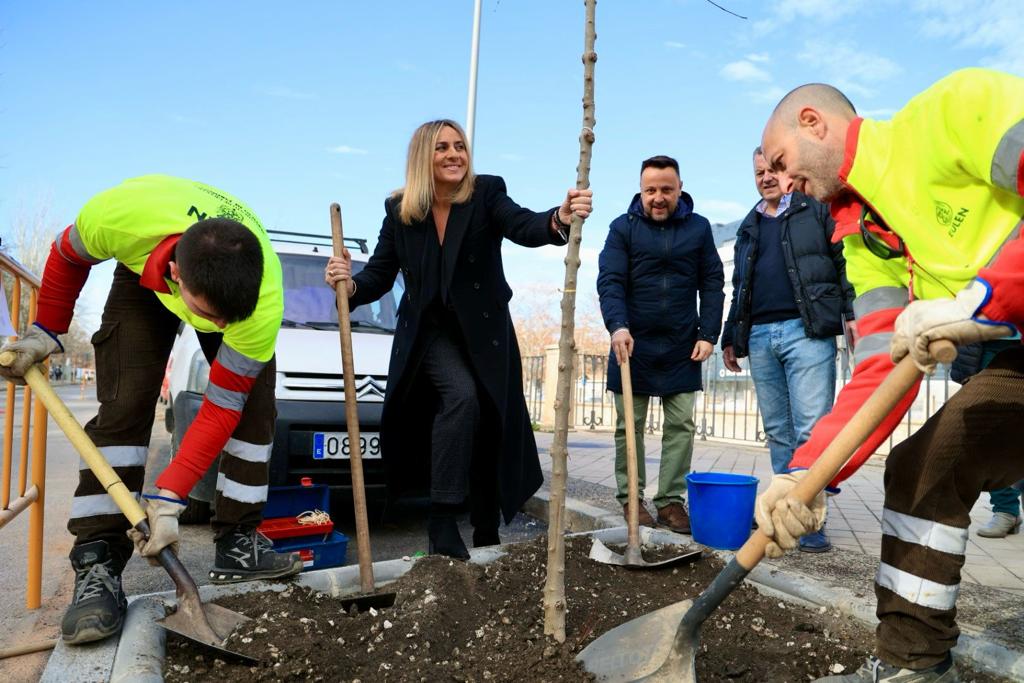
1008, 161
878, 299
243, 493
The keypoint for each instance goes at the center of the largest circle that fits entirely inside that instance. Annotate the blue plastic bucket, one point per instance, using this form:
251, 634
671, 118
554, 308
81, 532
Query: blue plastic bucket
721, 508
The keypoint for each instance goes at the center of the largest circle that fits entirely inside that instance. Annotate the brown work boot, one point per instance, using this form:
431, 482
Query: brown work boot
674, 517
645, 516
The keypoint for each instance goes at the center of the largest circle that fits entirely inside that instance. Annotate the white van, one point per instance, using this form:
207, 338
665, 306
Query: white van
310, 438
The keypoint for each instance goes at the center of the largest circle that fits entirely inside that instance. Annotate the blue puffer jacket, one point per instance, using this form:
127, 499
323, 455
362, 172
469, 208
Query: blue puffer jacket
650, 276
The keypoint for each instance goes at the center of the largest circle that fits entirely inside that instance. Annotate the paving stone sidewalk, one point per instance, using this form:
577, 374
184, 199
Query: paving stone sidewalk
854, 521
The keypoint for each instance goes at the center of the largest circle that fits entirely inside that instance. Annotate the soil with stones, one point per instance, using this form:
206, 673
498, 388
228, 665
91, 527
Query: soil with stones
455, 621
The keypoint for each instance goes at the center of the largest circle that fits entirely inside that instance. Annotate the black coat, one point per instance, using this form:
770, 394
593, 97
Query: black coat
650, 274
814, 264
478, 296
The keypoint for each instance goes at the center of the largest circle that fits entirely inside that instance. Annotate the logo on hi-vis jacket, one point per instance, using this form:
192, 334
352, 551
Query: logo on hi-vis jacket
944, 215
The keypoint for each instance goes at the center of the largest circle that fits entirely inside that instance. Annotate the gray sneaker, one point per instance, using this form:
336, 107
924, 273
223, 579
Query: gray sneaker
1001, 524
244, 554
876, 671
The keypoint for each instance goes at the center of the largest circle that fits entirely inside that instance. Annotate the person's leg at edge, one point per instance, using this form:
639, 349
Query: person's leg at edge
931, 482
678, 429
1005, 514
810, 366
640, 404
131, 348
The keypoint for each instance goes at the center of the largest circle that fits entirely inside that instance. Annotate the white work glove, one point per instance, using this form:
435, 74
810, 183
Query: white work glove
33, 347
923, 322
162, 513
783, 518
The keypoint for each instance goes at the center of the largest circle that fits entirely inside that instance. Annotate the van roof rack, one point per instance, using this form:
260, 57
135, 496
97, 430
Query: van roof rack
317, 240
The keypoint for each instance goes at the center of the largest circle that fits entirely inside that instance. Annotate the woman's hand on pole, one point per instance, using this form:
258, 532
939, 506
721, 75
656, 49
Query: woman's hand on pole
339, 268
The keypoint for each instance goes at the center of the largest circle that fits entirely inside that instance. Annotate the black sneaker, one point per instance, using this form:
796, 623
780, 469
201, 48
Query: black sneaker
98, 607
245, 555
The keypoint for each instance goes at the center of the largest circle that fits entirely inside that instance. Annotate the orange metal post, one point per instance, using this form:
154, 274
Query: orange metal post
26, 421
34, 584
5, 493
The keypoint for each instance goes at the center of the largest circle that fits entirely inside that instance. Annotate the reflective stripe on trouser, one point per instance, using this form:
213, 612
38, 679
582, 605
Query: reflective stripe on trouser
932, 480
135, 337
676, 447
245, 461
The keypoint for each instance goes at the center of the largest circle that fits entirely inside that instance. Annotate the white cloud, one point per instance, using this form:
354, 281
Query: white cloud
769, 95
721, 210
848, 66
813, 11
989, 25
284, 92
674, 44
758, 57
345, 149
882, 113
745, 72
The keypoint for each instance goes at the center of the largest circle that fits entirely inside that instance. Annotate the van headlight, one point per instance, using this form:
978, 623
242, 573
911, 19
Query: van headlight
198, 373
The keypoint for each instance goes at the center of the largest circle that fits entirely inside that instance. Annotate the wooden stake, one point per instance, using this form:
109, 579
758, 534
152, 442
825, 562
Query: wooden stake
352, 414
554, 586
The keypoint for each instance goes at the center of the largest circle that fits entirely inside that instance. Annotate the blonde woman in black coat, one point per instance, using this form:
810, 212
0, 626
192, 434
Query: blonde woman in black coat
455, 360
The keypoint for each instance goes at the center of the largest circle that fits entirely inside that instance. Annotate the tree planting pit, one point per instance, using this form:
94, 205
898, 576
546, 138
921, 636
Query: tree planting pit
457, 621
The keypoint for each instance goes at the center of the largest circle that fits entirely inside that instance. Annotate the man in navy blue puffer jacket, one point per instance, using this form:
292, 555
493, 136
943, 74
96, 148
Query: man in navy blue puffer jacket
659, 257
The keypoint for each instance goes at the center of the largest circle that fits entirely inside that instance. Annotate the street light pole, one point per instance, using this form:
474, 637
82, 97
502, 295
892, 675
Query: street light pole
473, 59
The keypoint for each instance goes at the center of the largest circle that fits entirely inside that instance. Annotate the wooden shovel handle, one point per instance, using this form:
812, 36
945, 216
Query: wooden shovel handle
632, 474
352, 413
106, 475
865, 421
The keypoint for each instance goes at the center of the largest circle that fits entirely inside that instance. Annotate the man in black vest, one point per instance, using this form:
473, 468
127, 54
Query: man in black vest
790, 295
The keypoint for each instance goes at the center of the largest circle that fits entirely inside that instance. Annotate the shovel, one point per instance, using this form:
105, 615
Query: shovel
662, 645
362, 602
209, 625
633, 559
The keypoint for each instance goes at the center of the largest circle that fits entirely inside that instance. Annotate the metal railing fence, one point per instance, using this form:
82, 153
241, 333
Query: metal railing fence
31, 474
725, 409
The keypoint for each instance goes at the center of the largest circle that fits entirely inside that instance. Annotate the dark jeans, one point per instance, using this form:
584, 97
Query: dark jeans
453, 435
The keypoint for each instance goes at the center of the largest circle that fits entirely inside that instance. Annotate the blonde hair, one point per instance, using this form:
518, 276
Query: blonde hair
416, 198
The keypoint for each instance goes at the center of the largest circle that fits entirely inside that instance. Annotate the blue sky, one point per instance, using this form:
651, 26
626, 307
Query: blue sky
293, 106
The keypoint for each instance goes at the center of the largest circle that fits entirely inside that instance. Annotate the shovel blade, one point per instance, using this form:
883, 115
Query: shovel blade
221, 621
599, 552
643, 649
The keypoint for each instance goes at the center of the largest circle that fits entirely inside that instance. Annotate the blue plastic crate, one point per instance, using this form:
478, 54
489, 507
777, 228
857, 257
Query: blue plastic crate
290, 501
316, 552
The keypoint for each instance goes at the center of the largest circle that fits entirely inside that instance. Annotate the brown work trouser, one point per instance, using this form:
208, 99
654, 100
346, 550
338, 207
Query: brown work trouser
132, 345
972, 444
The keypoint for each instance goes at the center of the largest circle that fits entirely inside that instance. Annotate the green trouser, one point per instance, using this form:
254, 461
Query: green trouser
676, 447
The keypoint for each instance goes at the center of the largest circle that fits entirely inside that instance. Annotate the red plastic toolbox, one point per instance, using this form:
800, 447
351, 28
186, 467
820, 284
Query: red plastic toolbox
289, 527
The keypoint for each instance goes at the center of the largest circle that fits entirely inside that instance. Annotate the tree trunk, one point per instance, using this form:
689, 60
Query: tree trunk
554, 586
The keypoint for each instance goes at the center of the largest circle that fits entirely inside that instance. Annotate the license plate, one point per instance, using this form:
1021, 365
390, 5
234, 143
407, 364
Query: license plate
336, 445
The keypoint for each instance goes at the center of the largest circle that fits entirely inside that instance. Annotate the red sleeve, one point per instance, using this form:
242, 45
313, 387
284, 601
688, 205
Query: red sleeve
63, 278
218, 416
1005, 280
867, 376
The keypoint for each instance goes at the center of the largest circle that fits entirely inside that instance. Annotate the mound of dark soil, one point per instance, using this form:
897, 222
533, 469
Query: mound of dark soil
455, 621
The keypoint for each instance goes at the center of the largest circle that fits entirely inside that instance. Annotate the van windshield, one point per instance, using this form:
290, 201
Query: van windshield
308, 302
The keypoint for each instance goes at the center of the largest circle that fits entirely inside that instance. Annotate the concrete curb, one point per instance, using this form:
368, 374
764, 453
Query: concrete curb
972, 647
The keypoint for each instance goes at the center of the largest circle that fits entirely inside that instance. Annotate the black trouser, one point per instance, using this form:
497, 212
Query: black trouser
932, 480
132, 346
453, 435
